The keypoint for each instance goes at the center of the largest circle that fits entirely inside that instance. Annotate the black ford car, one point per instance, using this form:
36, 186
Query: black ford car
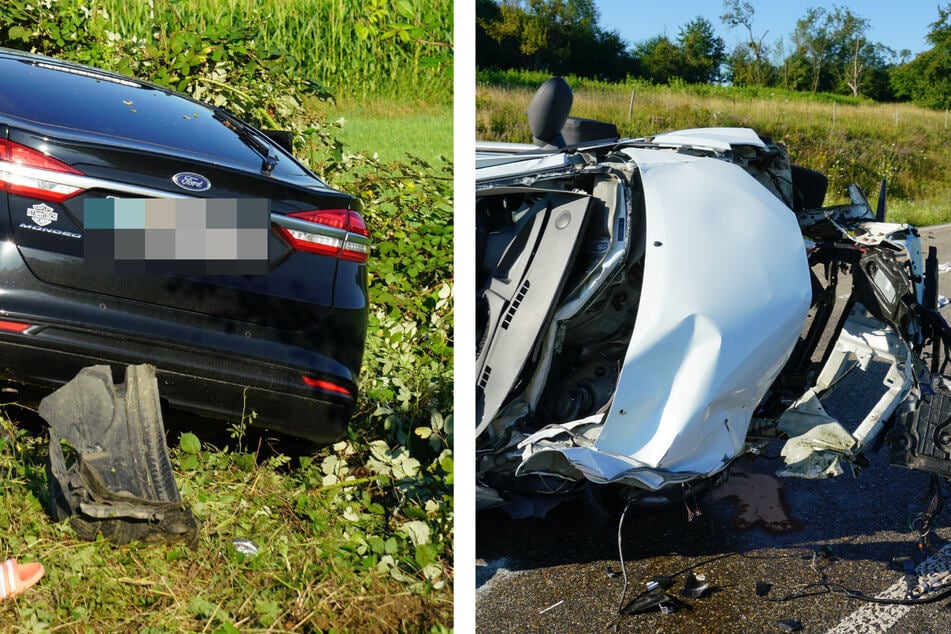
267, 315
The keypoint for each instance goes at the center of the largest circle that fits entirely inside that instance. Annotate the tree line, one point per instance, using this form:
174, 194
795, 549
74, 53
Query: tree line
827, 51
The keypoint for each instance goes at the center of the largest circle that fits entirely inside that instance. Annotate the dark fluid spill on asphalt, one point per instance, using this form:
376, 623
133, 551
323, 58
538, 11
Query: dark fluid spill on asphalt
760, 501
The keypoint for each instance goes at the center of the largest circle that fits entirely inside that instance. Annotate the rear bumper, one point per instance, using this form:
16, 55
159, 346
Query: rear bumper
204, 382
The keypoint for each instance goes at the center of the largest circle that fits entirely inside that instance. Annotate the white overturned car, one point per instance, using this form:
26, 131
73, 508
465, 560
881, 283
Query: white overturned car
642, 309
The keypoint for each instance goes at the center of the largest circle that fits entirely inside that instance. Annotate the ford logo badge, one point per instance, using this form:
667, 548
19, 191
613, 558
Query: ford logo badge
191, 181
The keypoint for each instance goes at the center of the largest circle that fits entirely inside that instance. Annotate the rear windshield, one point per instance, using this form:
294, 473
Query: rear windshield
79, 98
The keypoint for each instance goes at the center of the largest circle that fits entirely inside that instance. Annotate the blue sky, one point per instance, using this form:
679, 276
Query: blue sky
901, 24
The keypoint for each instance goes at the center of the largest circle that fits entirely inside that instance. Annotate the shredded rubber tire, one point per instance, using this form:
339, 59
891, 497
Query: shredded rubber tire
120, 484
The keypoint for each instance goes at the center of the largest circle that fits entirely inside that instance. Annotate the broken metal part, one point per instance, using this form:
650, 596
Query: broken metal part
121, 482
931, 582
881, 284
816, 454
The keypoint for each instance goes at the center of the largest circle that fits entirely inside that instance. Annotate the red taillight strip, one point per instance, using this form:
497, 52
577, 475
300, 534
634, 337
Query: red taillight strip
326, 385
13, 326
28, 172
339, 233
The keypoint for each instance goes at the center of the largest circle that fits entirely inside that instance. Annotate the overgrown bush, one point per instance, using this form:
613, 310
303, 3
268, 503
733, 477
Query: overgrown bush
371, 49
382, 499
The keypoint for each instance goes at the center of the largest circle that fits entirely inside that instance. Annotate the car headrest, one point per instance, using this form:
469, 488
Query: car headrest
548, 111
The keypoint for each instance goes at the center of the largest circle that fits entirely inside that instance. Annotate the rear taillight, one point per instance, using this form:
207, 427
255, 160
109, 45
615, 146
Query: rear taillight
22, 172
13, 326
327, 386
339, 233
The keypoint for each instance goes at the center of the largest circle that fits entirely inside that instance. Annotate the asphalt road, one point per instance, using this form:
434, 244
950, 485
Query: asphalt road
564, 573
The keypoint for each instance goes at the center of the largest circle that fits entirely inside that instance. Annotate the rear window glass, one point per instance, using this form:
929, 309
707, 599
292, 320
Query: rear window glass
82, 99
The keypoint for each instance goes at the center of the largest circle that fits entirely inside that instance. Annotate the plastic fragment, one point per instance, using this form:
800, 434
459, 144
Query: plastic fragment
245, 546
663, 581
120, 484
789, 625
651, 600
695, 586
553, 605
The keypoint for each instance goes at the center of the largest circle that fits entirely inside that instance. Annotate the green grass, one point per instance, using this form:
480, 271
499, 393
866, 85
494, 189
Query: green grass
849, 140
369, 129
321, 563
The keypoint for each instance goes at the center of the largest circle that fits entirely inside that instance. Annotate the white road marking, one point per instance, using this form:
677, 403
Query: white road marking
875, 618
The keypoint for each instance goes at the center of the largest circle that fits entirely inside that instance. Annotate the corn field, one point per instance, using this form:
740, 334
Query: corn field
368, 48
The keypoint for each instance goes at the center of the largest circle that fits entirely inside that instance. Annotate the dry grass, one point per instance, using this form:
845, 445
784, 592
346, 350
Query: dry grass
849, 141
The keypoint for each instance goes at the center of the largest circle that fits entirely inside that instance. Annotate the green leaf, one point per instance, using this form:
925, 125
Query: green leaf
426, 554
423, 432
189, 443
202, 607
445, 463
405, 9
417, 531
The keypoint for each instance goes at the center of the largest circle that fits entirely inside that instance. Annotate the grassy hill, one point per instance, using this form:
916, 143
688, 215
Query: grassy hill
849, 140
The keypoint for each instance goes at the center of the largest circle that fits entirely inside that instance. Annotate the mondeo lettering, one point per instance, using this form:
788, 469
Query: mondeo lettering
55, 232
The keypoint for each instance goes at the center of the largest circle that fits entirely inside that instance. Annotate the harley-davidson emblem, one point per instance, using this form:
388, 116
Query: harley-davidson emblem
191, 181
42, 214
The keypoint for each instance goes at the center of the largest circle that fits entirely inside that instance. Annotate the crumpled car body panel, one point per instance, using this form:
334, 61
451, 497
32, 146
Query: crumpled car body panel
721, 311
681, 327
726, 291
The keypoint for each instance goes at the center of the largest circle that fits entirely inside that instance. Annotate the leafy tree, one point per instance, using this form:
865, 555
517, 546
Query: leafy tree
696, 57
814, 40
875, 81
506, 24
660, 59
860, 65
783, 66
833, 53
702, 52
496, 47
855, 52
926, 80
558, 36
749, 63
606, 56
